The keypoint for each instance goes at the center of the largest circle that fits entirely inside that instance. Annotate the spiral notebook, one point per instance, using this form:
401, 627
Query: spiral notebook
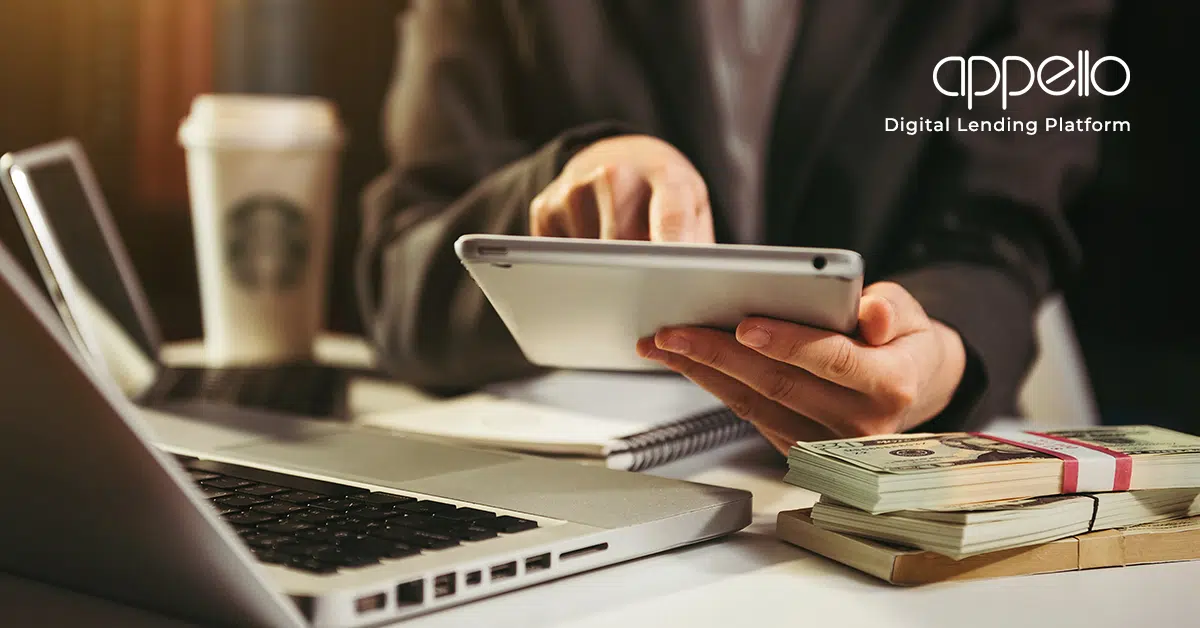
624, 421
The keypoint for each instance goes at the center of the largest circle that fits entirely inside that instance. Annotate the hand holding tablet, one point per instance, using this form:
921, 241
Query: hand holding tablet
583, 304
800, 383
785, 336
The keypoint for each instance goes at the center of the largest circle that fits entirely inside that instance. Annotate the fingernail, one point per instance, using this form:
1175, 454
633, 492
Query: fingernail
654, 354
676, 344
756, 338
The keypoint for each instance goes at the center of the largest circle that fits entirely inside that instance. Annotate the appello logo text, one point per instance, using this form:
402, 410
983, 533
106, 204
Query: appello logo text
1015, 76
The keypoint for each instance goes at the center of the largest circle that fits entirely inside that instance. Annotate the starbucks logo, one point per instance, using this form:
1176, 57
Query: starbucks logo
267, 245
911, 453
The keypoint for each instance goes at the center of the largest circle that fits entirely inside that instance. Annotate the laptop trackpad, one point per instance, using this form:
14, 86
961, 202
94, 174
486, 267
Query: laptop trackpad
369, 457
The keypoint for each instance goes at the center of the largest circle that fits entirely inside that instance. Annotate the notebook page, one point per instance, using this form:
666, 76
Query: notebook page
638, 401
560, 413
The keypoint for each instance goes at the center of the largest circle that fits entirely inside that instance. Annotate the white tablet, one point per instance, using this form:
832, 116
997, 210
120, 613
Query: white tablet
583, 304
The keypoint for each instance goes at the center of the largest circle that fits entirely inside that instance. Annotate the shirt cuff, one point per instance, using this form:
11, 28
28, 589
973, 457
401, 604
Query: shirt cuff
993, 314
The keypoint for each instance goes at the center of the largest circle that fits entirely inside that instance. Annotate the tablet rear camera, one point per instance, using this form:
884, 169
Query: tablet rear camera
819, 262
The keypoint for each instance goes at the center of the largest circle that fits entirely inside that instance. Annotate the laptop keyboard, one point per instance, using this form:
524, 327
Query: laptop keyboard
324, 527
303, 389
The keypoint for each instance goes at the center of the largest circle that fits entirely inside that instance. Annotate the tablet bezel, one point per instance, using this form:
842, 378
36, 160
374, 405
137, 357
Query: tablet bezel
561, 318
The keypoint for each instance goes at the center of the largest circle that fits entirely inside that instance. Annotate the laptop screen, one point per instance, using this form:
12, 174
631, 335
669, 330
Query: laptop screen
72, 219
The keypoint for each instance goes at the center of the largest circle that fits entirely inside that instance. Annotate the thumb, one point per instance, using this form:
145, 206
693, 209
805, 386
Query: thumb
887, 312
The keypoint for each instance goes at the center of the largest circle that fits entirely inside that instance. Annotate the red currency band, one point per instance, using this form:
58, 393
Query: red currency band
1070, 470
1085, 467
1124, 462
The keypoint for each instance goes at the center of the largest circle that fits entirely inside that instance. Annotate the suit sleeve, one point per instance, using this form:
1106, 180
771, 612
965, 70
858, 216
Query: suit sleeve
460, 162
995, 243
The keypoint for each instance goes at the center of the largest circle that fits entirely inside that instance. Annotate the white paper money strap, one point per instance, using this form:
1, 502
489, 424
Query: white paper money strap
1086, 467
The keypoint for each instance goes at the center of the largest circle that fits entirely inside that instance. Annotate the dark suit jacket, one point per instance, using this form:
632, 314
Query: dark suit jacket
492, 97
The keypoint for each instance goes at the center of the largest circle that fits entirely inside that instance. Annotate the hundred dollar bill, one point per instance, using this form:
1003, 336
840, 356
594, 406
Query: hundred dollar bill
923, 452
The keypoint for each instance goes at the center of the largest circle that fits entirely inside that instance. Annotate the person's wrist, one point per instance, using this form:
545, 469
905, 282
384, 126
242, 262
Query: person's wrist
951, 368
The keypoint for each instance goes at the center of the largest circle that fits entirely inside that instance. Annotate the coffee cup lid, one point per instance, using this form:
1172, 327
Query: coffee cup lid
261, 121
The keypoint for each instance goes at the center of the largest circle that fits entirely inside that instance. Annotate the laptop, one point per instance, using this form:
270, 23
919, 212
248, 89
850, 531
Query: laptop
299, 523
74, 240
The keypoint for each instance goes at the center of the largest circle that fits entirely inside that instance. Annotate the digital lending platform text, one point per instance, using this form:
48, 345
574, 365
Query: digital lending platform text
1003, 125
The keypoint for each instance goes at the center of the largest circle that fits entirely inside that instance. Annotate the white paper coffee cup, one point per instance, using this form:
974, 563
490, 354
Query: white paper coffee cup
262, 177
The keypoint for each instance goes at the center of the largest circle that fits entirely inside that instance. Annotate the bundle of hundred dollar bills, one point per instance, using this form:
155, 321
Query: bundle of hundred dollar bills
968, 493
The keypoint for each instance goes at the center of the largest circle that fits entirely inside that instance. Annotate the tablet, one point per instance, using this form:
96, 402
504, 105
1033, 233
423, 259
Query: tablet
583, 304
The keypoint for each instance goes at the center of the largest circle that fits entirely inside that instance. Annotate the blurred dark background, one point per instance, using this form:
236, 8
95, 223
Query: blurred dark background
120, 74
1132, 305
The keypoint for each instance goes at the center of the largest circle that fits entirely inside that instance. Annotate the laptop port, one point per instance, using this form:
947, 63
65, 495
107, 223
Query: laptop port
583, 551
443, 585
474, 577
537, 563
507, 570
410, 593
369, 603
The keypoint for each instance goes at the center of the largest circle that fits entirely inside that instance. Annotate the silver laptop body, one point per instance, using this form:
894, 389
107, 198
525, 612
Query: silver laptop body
108, 508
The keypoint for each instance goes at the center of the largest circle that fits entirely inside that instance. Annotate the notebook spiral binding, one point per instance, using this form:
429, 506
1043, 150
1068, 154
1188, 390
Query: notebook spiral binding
683, 438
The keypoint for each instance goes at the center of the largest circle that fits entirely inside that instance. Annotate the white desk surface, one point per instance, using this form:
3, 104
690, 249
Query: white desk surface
749, 579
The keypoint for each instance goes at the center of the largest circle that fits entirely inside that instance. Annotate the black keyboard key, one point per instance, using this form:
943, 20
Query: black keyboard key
298, 497
329, 489
225, 510
240, 501
470, 533
277, 508
246, 518
437, 526
226, 482
303, 549
342, 558
363, 545
506, 524
271, 557
400, 550
415, 538
200, 476
213, 493
261, 490
373, 513
384, 499
315, 515
287, 526
465, 514
311, 565
352, 524
355, 562
324, 535
266, 539
339, 505
417, 521
424, 506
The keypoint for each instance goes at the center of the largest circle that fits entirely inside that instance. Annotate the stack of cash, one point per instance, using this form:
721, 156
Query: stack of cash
991, 526
961, 494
